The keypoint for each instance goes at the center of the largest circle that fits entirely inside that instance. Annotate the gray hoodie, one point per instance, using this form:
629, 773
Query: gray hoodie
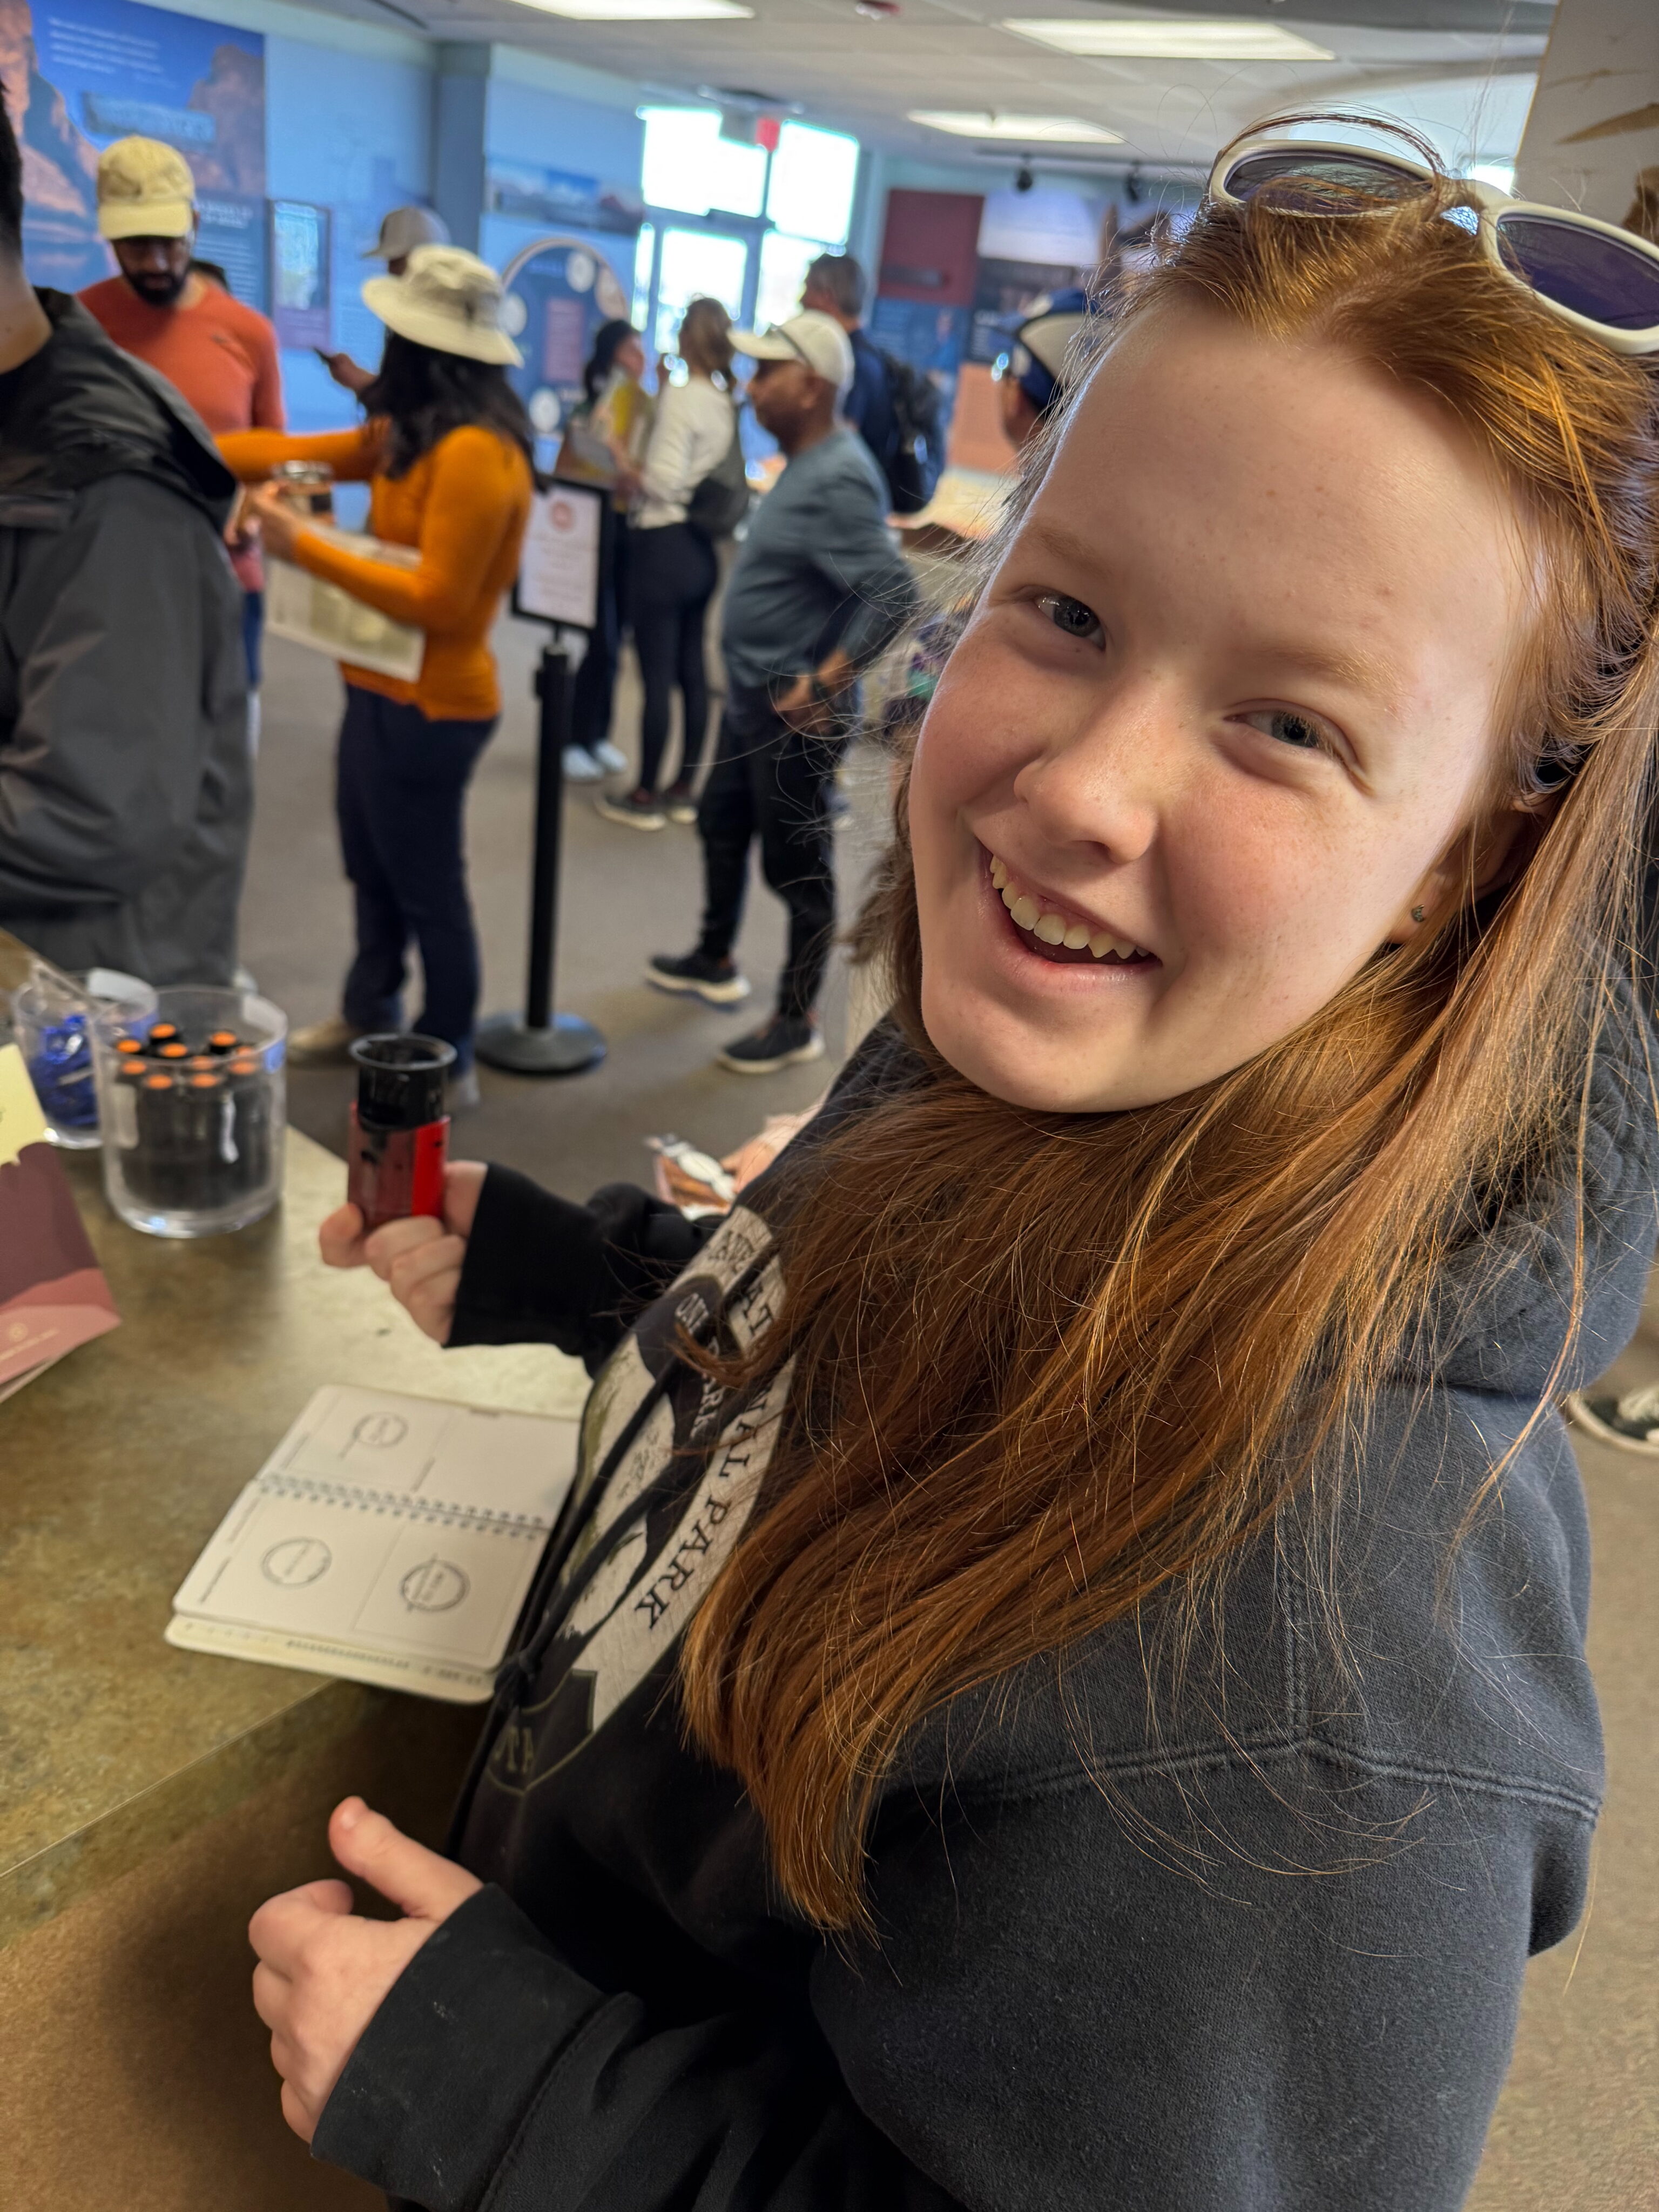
125, 785
1247, 1937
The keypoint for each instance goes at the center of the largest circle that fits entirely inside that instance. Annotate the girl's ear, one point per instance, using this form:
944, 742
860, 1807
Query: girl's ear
1477, 861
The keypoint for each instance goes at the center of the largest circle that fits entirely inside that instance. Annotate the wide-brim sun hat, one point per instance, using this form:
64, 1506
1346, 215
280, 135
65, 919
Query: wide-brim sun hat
446, 299
816, 339
145, 190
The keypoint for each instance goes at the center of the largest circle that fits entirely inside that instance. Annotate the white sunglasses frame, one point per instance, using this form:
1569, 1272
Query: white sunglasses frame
1487, 201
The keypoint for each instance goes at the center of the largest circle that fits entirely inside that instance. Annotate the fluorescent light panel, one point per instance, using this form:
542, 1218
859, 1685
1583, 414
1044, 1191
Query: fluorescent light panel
640, 12
1027, 130
1141, 38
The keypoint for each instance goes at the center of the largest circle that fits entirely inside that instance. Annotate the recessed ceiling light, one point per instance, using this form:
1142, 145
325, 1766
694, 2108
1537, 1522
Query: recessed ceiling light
1028, 129
638, 11
1141, 38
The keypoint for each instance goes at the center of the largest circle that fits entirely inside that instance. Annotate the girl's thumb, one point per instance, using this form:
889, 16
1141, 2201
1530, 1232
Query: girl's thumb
422, 1883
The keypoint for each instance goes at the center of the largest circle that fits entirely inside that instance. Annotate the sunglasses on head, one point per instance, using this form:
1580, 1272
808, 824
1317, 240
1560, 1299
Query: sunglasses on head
1591, 274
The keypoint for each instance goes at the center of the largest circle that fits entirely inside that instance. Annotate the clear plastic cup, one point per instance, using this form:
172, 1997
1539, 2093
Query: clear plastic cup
53, 1028
193, 1139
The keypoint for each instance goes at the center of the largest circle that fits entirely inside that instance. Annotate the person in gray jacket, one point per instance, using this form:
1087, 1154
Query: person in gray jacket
818, 591
125, 787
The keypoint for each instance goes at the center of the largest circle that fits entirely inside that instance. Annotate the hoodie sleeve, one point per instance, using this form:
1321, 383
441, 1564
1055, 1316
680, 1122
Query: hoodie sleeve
541, 1270
1071, 2010
101, 774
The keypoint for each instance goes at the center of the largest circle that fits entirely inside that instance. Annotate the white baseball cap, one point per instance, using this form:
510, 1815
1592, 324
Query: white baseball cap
818, 340
446, 299
145, 190
402, 230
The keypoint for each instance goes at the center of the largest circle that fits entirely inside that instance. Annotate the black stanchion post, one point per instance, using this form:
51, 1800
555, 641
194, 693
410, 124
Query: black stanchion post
544, 1042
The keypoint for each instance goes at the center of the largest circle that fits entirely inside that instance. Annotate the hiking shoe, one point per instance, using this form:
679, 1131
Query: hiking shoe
679, 803
1631, 1422
581, 767
324, 1044
780, 1044
638, 808
716, 982
612, 758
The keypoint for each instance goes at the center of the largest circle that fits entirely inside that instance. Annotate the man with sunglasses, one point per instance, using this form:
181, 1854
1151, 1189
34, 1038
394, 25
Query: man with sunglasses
818, 591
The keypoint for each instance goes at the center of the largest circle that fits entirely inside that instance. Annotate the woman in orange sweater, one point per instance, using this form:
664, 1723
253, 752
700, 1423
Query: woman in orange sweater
446, 452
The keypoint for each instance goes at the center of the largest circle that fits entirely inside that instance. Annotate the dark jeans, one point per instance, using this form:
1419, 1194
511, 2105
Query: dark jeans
254, 623
769, 782
400, 794
595, 687
674, 575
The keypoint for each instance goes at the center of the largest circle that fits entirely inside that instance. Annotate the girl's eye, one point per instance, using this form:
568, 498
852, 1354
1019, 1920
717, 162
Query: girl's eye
1291, 728
1070, 616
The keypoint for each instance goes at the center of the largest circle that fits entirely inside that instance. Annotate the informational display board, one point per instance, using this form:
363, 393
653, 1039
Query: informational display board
299, 267
559, 291
81, 73
559, 568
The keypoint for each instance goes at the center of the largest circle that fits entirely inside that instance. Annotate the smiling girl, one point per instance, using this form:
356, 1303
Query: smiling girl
1061, 1683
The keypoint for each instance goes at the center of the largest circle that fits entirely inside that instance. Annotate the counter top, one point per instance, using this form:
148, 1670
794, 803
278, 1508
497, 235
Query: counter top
117, 1464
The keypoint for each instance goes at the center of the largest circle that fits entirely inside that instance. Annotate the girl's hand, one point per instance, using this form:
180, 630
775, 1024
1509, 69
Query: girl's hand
419, 1260
278, 525
324, 1971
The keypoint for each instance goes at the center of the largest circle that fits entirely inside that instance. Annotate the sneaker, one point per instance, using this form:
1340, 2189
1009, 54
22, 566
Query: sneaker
461, 1094
581, 767
612, 758
324, 1044
781, 1044
679, 803
1631, 1422
716, 982
638, 808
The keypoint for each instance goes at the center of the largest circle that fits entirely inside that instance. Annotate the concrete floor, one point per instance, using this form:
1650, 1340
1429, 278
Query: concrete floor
1578, 2127
626, 894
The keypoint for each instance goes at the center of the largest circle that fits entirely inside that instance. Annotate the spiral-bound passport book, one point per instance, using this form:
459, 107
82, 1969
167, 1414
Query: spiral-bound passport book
387, 1539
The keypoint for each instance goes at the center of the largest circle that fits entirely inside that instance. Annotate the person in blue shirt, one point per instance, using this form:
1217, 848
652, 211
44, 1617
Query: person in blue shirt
836, 286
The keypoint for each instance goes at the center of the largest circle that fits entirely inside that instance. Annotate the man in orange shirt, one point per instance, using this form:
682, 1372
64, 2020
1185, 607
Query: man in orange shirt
220, 355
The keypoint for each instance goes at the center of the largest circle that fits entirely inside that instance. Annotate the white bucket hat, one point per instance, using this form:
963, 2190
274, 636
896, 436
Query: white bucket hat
145, 190
446, 299
818, 340
404, 228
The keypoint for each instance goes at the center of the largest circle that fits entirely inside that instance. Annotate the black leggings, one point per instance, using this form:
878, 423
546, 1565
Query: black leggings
674, 575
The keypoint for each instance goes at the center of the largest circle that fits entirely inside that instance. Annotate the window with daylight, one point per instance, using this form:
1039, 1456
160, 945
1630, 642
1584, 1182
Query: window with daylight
689, 166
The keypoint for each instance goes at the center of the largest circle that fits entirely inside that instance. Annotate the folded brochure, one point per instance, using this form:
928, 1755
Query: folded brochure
52, 1292
387, 1539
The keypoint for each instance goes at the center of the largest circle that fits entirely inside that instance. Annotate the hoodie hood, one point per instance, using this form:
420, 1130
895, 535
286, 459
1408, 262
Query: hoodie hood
1506, 1306
82, 410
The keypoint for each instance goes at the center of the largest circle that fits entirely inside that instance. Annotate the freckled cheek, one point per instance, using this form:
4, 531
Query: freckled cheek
1250, 890
979, 731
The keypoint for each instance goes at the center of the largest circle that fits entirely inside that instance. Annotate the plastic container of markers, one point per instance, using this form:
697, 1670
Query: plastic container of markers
193, 1103
51, 1017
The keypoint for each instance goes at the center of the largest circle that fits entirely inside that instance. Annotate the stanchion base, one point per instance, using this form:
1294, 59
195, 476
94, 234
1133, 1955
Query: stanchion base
565, 1047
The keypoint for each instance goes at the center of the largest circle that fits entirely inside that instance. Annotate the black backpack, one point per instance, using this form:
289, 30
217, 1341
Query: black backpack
720, 504
915, 445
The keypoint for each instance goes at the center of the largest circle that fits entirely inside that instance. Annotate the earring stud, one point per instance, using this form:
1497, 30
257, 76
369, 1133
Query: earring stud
1417, 914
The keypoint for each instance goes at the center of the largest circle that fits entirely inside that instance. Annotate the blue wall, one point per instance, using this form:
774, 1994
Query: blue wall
352, 133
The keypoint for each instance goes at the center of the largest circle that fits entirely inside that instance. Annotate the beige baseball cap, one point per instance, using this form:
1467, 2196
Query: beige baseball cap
818, 340
145, 190
446, 299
